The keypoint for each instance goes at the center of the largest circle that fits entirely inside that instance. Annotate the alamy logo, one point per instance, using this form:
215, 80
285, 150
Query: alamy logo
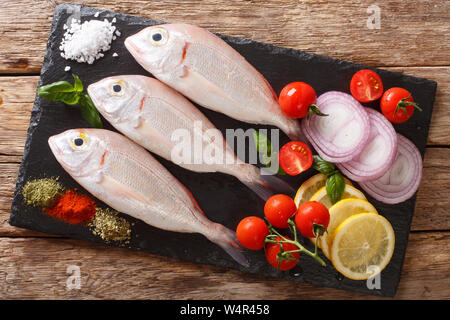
374, 20
74, 280
208, 146
374, 282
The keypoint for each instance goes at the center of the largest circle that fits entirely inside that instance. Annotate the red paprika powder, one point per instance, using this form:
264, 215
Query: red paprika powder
73, 208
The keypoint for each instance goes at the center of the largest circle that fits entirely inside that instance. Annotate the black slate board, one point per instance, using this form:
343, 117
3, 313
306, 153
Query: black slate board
223, 198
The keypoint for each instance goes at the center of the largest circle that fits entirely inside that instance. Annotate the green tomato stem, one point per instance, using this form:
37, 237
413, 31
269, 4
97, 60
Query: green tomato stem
301, 249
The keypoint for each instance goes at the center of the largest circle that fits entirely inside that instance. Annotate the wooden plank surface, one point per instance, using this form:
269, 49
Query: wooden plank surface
414, 39
37, 268
335, 28
433, 197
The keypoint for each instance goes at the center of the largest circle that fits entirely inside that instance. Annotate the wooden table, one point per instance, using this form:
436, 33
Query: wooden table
413, 38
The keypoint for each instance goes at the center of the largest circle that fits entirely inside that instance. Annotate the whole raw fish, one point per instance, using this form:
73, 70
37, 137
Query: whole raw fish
126, 177
204, 68
149, 112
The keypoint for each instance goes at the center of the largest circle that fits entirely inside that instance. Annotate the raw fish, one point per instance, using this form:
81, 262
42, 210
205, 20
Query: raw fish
126, 177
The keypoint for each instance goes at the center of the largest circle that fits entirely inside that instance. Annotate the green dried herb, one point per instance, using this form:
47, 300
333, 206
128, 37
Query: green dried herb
110, 227
42, 192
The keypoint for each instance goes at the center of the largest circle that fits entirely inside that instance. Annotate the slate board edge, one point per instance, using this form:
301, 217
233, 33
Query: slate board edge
36, 112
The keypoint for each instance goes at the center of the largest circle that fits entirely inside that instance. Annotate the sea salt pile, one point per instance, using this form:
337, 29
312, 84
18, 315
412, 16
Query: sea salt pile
85, 42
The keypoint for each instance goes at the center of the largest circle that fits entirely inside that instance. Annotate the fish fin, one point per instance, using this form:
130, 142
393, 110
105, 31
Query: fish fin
274, 183
258, 187
184, 72
266, 184
295, 133
226, 239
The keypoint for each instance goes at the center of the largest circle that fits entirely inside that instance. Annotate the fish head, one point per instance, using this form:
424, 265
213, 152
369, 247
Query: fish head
118, 98
79, 151
159, 48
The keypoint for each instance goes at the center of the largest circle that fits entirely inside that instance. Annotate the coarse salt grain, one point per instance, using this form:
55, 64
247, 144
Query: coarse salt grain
85, 42
96, 14
67, 68
115, 54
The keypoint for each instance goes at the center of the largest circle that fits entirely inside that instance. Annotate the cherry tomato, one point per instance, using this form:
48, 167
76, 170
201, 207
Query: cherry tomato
251, 232
272, 250
397, 105
295, 157
366, 86
278, 209
296, 98
308, 213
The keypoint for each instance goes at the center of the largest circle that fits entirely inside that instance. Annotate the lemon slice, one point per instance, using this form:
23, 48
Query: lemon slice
340, 211
349, 192
310, 187
363, 246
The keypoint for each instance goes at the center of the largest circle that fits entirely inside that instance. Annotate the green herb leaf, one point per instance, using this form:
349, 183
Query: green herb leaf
77, 85
335, 186
262, 143
59, 91
72, 94
89, 112
274, 157
323, 166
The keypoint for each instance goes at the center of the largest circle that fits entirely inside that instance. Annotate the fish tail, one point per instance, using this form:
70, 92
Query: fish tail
263, 182
294, 131
267, 185
226, 239
274, 183
260, 188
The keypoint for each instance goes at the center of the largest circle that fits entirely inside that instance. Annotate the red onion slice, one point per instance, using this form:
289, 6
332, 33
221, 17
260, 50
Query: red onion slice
402, 180
378, 154
341, 135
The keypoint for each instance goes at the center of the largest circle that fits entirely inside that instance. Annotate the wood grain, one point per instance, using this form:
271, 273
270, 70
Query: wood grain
412, 33
37, 269
414, 39
439, 133
433, 198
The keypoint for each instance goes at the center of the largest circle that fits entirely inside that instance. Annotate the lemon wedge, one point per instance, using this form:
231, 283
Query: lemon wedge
310, 187
340, 211
362, 246
349, 192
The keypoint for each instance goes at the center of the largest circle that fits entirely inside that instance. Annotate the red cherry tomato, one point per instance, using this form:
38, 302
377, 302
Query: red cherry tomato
251, 232
278, 209
296, 98
295, 157
366, 86
272, 250
395, 107
308, 213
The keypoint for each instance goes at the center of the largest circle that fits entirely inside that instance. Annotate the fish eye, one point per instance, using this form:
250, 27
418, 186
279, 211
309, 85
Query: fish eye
158, 36
79, 142
118, 88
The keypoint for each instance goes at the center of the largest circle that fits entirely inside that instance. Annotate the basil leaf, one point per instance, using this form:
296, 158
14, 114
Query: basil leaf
55, 87
89, 112
77, 85
323, 166
266, 160
66, 97
58, 91
262, 143
335, 186
274, 157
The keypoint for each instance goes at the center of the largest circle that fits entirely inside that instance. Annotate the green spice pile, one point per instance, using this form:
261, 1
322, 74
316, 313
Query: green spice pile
42, 192
110, 227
